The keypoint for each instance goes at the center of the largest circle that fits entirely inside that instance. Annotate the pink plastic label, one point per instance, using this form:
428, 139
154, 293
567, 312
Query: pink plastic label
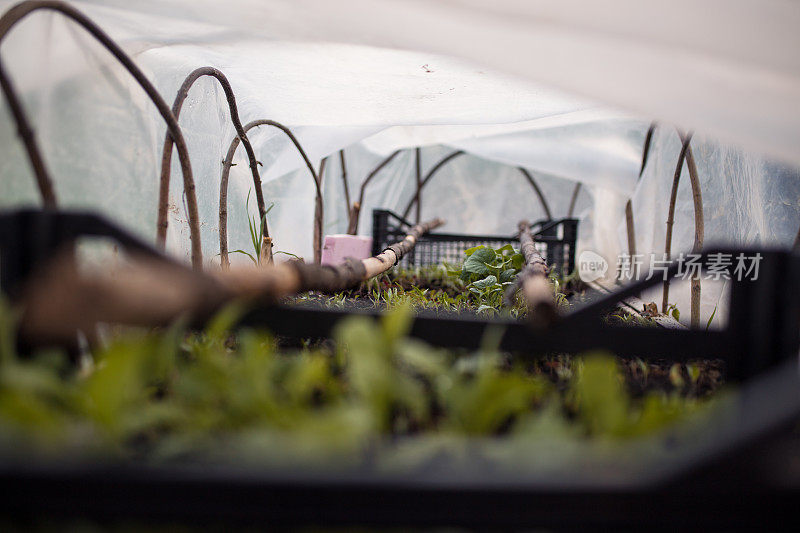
339, 247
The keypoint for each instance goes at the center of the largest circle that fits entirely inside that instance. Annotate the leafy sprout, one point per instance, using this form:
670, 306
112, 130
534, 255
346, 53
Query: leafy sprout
256, 233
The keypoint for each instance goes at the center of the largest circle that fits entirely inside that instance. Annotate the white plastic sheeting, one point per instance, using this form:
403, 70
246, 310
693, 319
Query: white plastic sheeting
748, 200
728, 69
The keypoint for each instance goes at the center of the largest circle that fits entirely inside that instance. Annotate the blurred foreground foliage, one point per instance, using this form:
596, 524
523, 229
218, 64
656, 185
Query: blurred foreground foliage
177, 395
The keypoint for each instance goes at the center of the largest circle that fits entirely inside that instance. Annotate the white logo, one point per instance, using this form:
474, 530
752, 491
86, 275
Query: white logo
591, 266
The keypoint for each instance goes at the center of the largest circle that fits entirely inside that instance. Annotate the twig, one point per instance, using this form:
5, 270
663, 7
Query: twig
797, 241
431, 173
629, 225
630, 230
648, 139
355, 210
166, 156
532, 280
573, 200
153, 291
671, 215
538, 192
418, 181
294, 277
344, 180
226, 170
699, 225
319, 214
699, 228
26, 133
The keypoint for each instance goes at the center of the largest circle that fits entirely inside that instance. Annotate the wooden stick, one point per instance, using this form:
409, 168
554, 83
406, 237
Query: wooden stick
293, 277
532, 280
699, 224
26, 134
796, 245
629, 225
671, 215
355, 210
538, 191
344, 179
431, 173
166, 156
418, 182
226, 170
631, 231
573, 200
319, 215
154, 291
699, 229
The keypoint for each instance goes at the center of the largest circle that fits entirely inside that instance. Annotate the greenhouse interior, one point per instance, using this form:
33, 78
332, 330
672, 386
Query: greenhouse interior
400, 264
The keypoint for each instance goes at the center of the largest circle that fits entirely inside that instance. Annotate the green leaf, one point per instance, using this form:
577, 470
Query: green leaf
485, 283
478, 263
505, 250
483, 404
714, 312
220, 325
253, 259
517, 261
397, 324
601, 398
286, 253
469, 251
507, 275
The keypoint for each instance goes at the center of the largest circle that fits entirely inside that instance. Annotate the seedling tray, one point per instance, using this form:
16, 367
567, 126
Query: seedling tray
555, 240
733, 471
734, 474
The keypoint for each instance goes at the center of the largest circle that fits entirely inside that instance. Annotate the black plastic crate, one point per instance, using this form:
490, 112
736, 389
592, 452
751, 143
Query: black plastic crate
555, 240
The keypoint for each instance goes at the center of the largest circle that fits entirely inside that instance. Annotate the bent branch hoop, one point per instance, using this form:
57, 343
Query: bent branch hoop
699, 225
629, 225
355, 209
538, 192
319, 214
431, 173
26, 133
797, 241
573, 200
418, 182
344, 180
20, 11
166, 156
417, 198
226, 170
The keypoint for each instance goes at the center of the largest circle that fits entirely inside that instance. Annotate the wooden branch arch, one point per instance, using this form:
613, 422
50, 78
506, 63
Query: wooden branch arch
629, 226
319, 215
355, 209
226, 170
573, 200
16, 13
166, 155
539, 193
432, 172
346, 186
699, 223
